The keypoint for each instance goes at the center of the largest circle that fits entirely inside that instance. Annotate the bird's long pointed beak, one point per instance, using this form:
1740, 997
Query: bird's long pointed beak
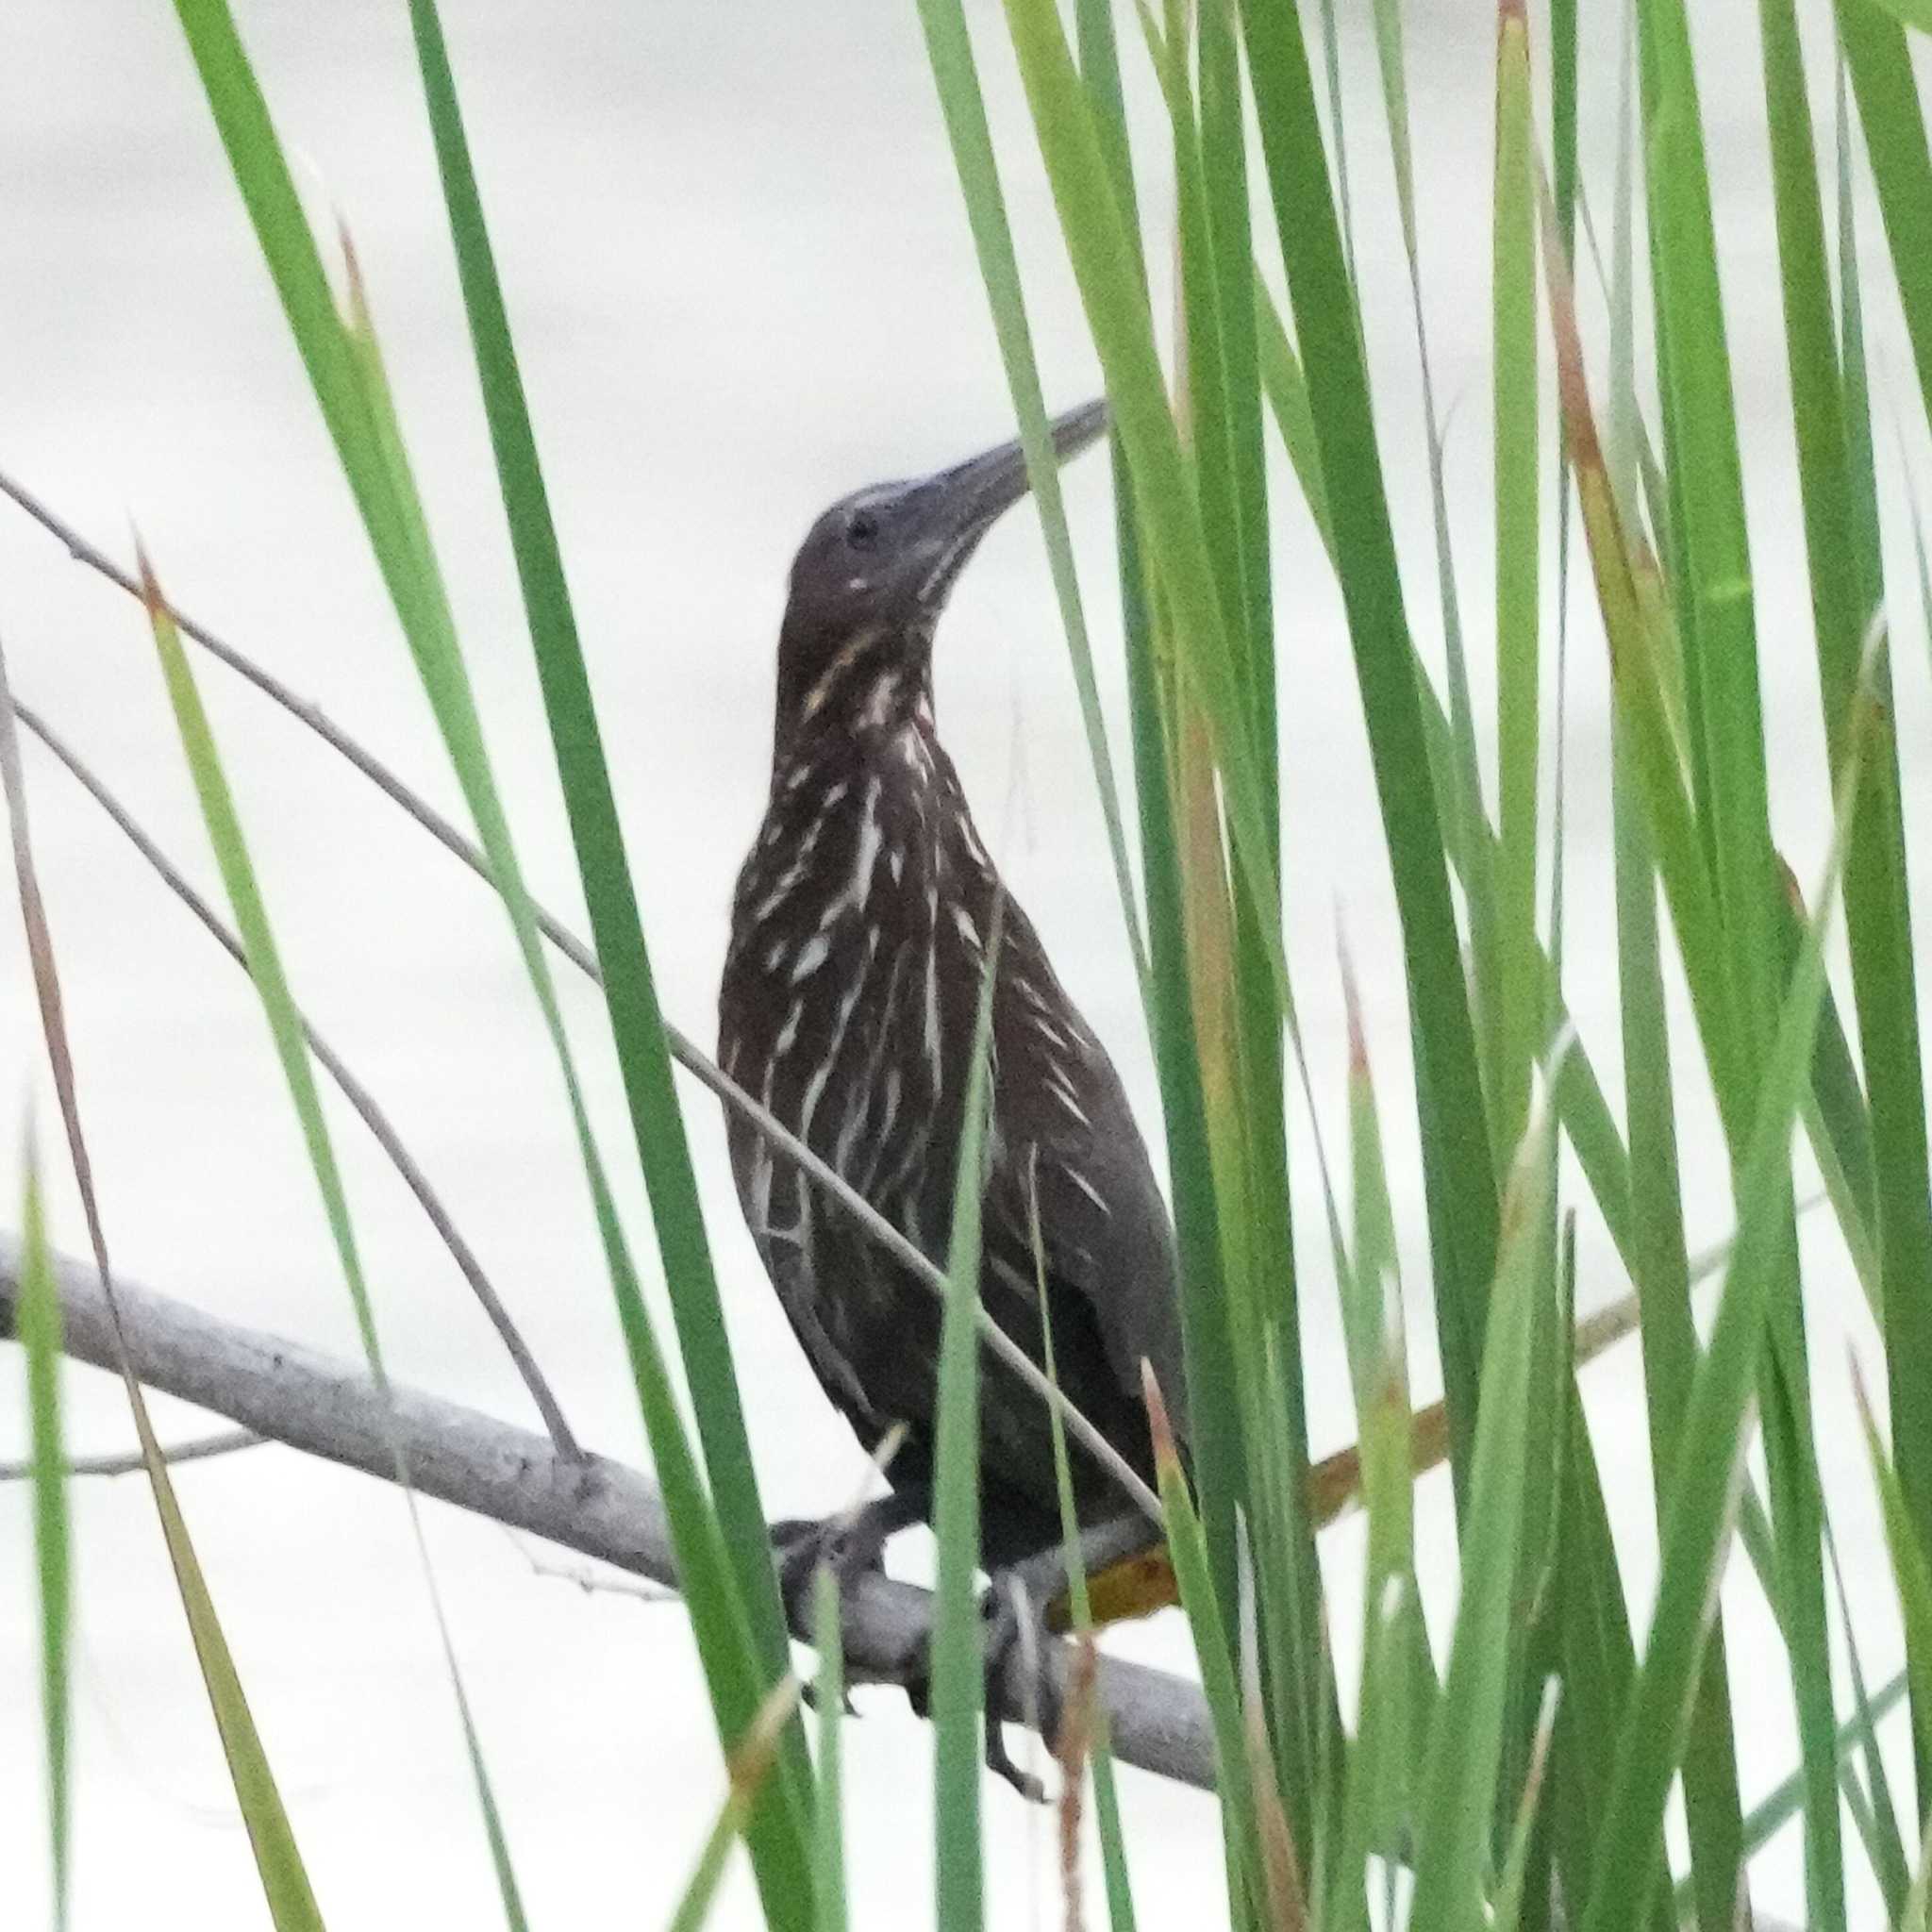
969, 497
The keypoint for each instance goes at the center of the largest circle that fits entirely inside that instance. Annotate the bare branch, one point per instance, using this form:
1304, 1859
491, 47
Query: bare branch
693, 1058
357, 1095
320, 1405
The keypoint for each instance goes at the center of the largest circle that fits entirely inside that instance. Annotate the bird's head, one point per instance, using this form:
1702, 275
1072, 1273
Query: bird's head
873, 573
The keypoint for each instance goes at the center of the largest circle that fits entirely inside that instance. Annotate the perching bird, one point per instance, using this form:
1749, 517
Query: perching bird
859, 934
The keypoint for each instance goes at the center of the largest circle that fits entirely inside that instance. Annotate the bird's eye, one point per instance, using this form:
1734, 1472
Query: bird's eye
861, 529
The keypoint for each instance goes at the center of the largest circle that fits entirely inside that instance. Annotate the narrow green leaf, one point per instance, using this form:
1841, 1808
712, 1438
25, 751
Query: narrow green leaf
1188, 1546
1515, 1012
1457, 773
1916, 13
346, 371
1731, 790
1659, 1263
950, 52
1287, 391
39, 1327
1106, 1808
1884, 1844
1460, 1182
1844, 590
1660, 1268
1508, 1914
828, 1693
278, 1863
1459, 1788
1105, 265
751, 1765
957, 1671
1704, 1486
1879, 58
624, 958
1778, 1806
292, 1049
1911, 1572
1165, 570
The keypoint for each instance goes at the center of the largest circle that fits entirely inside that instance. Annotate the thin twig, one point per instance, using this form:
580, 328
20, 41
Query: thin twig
922, 1268
46, 974
325, 1406
357, 1095
131, 1461
592, 1581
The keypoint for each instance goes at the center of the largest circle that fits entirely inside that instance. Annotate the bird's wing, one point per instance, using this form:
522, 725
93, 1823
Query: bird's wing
1083, 1178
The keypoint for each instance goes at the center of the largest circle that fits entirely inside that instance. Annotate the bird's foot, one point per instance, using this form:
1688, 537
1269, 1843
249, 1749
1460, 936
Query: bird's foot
1014, 1629
850, 1545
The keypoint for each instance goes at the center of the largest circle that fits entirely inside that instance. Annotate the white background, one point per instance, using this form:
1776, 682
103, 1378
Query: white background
741, 284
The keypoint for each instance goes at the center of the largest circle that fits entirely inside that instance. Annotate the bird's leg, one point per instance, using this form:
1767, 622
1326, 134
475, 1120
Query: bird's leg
852, 1542
1019, 1610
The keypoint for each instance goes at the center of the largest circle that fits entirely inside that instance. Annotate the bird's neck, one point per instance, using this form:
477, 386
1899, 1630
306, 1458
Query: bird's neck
856, 712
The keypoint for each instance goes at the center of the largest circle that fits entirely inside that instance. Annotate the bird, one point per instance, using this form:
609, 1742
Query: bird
864, 923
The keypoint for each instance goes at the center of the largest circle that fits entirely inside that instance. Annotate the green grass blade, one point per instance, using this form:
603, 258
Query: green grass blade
1912, 1571
1661, 1269
1100, 68
1106, 1808
828, 1691
1877, 910
1166, 540
1204, 1308
1461, 1188
1780, 1805
958, 1673
1458, 1802
1507, 1913
1884, 1844
1924, 571
1370, 1284
1398, 1674
1857, 398
1287, 391
1658, 1262
1241, 1045
1880, 61
950, 52
1512, 1003
1704, 1486
345, 371
224, 825
751, 1765
1188, 1546
39, 1327
292, 1050
1916, 13
285, 1885
1225, 161
1586, 1118
1105, 264
1703, 941
1457, 773
624, 958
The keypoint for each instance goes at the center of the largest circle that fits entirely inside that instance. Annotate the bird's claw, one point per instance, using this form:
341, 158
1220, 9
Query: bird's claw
808, 1696
849, 1545
1011, 1624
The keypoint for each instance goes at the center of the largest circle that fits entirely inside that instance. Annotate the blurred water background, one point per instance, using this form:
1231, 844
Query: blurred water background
741, 284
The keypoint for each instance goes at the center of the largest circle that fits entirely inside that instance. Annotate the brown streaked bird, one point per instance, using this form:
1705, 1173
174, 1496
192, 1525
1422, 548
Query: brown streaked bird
859, 948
